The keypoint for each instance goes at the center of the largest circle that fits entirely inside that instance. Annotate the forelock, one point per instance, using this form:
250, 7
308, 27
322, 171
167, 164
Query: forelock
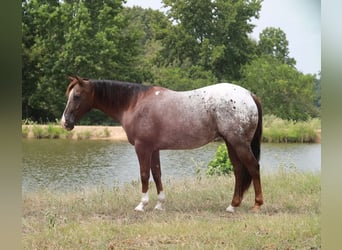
71, 86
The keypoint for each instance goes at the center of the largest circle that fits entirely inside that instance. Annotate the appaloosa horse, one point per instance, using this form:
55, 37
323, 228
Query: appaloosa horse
156, 118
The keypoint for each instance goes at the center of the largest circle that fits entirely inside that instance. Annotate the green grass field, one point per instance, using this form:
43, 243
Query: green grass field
194, 218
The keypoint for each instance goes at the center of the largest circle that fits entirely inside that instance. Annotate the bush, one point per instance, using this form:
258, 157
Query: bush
220, 164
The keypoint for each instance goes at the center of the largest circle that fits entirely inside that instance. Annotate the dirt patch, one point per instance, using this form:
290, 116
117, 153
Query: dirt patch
101, 132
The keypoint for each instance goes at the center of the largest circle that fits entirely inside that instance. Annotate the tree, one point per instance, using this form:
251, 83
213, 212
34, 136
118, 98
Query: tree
283, 90
318, 90
273, 42
151, 25
61, 38
41, 36
211, 34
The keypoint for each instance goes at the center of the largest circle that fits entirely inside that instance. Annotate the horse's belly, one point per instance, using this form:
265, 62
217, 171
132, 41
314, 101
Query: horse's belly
187, 131
185, 142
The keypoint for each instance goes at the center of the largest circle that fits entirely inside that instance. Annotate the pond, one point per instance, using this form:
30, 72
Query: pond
69, 165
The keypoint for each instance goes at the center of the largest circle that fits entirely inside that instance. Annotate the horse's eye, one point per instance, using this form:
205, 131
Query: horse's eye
77, 97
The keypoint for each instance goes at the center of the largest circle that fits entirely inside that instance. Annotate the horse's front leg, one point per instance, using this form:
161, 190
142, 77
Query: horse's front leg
144, 157
156, 172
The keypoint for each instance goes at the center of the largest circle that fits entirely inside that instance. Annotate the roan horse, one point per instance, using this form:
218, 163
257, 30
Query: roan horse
156, 118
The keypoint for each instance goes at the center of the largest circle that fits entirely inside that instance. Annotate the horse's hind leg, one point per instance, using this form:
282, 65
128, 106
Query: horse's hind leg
156, 173
242, 179
246, 156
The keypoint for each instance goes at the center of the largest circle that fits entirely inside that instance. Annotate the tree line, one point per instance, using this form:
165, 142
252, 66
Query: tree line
192, 44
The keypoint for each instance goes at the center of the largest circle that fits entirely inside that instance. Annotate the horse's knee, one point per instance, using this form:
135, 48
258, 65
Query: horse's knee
145, 177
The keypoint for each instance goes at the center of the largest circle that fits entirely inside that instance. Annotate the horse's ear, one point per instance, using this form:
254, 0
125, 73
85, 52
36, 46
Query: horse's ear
80, 80
71, 78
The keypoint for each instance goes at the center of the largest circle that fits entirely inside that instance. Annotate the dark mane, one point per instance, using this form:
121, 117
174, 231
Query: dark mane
117, 93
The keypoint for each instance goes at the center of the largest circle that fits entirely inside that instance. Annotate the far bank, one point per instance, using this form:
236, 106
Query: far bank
275, 134
54, 131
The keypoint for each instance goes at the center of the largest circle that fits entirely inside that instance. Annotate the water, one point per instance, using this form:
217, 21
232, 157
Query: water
68, 165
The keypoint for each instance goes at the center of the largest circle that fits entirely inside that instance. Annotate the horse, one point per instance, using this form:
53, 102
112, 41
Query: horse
156, 118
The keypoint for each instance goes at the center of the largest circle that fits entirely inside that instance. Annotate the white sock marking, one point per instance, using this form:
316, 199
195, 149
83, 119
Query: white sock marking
143, 202
161, 200
230, 209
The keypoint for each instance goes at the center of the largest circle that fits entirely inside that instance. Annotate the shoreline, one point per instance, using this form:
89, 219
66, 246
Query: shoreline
98, 132
91, 132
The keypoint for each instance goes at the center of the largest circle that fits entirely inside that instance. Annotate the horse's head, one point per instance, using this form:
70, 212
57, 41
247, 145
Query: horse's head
80, 100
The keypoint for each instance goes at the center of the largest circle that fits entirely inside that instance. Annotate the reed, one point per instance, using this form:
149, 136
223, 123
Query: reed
49, 131
277, 130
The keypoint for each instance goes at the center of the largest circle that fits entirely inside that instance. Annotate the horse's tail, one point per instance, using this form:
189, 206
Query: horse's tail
258, 132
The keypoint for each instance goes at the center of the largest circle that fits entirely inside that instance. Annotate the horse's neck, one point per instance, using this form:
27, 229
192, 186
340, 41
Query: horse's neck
113, 104
108, 110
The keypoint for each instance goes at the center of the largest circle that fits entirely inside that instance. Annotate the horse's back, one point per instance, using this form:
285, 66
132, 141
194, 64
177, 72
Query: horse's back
221, 108
189, 119
225, 102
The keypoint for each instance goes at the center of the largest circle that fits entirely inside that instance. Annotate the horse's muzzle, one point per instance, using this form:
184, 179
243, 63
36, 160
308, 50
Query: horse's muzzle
68, 125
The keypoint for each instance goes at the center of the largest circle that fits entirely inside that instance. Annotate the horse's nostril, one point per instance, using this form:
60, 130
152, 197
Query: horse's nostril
67, 125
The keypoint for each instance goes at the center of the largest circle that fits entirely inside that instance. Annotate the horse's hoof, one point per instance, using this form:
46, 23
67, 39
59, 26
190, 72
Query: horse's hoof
140, 207
159, 207
256, 208
230, 209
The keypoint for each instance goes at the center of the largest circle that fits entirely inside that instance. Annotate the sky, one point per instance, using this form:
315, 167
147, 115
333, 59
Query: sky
299, 19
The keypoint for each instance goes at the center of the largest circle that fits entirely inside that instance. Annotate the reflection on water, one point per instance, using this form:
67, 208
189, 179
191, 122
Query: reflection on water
68, 165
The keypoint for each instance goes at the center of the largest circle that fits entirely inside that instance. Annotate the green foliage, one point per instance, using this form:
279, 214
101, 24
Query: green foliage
286, 131
61, 38
217, 39
183, 78
193, 44
220, 164
54, 131
49, 131
273, 42
283, 90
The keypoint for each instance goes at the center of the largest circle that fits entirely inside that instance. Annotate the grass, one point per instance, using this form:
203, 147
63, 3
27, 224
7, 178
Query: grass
194, 218
55, 131
287, 131
83, 135
49, 131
